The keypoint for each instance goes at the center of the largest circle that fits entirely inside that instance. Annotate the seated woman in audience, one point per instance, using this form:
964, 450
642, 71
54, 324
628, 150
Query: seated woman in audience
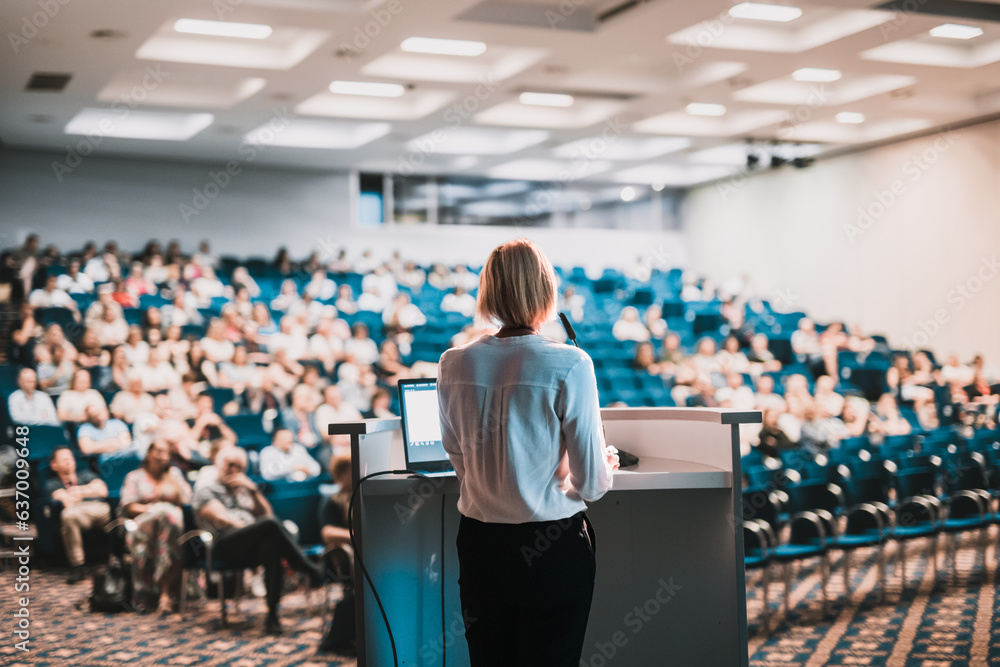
459, 301
89, 351
122, 296
137, 284
359, 347
158, 374
288, 295
286, 459
912, 384
152, 496
111, 328
823, 393
136, 349
765, 398
704, 360
238, 372
381, 405
325, 344
300, 418
72, 404
152, 318
805, 344
629, 326
761, 359
858, 418
731, 357
645, 359
242, 303
242, 278
345, 300
653, 319
388, 367
284, 372
980, 391
290, 339
215, 344
673, 358
182, 310
891, 421
25, 335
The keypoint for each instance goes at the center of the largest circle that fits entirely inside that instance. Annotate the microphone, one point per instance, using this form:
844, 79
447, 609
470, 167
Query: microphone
569, 328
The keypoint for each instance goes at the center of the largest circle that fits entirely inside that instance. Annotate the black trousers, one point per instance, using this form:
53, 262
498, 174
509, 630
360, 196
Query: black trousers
265, 543
526, 590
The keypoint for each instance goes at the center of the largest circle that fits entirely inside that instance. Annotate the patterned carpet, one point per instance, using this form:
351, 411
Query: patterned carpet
66, 634
955, 623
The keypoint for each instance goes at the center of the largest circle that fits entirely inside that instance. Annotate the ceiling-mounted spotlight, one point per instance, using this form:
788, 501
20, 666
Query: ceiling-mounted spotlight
777, 161
753, 161
802, 162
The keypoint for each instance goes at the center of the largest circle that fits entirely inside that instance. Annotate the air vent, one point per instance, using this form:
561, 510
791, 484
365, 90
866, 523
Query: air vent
48, 82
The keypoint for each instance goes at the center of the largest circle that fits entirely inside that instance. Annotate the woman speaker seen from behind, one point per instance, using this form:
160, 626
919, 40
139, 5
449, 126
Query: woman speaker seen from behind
521, 423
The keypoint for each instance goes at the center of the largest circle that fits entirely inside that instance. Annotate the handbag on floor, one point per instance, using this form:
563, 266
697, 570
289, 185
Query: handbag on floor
112, 592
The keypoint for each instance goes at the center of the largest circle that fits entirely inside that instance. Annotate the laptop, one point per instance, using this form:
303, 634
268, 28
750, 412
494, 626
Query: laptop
418, 410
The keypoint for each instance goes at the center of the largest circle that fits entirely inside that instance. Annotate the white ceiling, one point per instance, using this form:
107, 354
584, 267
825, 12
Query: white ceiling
631, 75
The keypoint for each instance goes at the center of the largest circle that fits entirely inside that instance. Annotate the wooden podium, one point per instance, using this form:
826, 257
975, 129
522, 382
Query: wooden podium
670, 582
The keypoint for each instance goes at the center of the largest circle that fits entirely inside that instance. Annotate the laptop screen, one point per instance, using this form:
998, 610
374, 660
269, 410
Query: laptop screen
418, 406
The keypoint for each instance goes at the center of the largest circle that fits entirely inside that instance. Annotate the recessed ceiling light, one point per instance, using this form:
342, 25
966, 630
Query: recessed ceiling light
761, 12
657, 187
816, 74
627, 193
956, 31
443, 47
158, 125
704, 109
367, 88
546, 99
223, 28
852, 117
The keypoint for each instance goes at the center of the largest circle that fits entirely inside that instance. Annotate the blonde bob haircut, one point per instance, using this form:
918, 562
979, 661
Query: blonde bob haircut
517, 286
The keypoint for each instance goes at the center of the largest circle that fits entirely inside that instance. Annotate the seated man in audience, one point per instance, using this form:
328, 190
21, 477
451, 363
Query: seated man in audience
735, 394
285, 459
73, 402
108, 437
73, 281
51, 296
27, 405
240, 518
821, 432
335, 410
209, 429
772, 440
132, 400
84, 499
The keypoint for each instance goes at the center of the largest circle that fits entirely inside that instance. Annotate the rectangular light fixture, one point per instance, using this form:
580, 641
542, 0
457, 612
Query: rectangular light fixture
956, 31
223, 29
156, 125
367, 88
850, 117
546, 99
443, 47
816, 74
704, 109
760, 12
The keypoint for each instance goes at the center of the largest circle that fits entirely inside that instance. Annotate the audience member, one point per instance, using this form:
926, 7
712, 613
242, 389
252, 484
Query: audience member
286, 459
26, 405
84, 498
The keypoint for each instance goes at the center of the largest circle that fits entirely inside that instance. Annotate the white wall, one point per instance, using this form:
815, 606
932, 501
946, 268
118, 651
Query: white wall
259, 210
903, 239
